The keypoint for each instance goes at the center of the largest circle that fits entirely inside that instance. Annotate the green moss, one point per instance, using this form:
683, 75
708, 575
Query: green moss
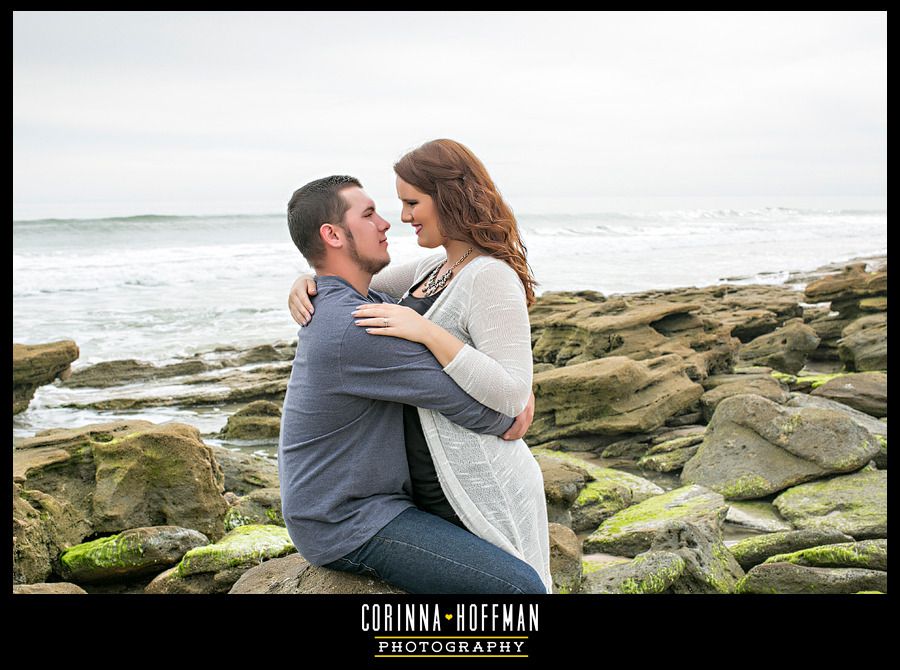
871, 555
243, 545
590, 567
746, 486
801, 382
882, 440
113, 552
234, 519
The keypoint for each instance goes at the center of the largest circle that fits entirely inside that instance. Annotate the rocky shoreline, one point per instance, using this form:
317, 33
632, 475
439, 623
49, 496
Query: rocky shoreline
726, 439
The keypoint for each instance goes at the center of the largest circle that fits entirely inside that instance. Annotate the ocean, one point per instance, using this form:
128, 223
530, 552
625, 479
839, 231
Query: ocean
157, 287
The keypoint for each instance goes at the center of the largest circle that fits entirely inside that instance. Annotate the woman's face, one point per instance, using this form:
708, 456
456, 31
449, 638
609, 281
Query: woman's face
419, 211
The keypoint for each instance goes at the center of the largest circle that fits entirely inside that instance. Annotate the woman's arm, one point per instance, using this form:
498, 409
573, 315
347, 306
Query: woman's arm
497, 371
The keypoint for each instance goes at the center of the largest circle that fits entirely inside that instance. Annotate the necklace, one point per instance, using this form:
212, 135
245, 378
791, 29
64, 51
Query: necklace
434, 283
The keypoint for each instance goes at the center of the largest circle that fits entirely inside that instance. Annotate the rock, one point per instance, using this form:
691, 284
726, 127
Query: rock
563, 478
789, 578
42, 525
38, 364
869, 554
125, 475
863, 343
133, 553
260, 420
649, 572
755, 550
709, 566
565, 559
865, 391
610, 396
293, 574
53, 588
215, 568
631, 531
852, 282
854, 504
259, 507
672, 454
605, 492
246, 472
756, 515
785, 349
765, 387
129, 371
754, 447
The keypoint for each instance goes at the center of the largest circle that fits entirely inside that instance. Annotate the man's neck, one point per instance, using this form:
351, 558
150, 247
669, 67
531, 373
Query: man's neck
346, 269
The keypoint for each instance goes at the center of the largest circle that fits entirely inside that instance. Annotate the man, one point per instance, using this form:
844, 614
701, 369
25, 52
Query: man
345, 483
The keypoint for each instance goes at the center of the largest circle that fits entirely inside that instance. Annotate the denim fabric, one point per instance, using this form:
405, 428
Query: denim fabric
423, 553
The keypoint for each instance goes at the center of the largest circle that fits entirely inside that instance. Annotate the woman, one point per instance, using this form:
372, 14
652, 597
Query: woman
469, 306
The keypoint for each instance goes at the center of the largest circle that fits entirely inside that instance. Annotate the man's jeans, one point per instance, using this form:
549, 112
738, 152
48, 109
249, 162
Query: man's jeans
423, 553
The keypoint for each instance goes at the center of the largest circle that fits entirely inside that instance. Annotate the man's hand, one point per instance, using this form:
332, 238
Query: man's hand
298, 300
522, 422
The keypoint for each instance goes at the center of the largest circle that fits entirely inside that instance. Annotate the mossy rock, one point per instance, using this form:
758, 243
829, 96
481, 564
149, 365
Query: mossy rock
631, 531
854, 504
243, 546
755, 550
650, 572
259, 507
133, 553
869, 554
800, 579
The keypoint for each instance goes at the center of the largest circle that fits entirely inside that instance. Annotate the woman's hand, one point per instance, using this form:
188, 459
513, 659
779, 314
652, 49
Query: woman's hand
298, 300
394, 320
522, 422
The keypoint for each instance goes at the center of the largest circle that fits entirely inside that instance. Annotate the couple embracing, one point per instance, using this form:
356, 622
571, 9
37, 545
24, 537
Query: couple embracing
400, 454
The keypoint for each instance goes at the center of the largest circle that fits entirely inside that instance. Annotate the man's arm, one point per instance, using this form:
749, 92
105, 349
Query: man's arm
397, 370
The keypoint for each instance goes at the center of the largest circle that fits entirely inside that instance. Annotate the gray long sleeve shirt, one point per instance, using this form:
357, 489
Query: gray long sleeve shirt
341, 457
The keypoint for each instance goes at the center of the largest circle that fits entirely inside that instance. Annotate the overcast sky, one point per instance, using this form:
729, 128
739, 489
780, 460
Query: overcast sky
203, 112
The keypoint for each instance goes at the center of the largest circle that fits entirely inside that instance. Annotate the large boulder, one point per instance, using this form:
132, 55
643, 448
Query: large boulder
854, 504
631, 531
755, 447
865, 391
133, 553
293, 575
785, 349
214, 568
755, 550
38, 364
123, 475
610, 396
863, 343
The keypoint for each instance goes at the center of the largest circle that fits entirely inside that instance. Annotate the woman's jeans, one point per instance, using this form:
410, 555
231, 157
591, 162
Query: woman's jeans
423, 553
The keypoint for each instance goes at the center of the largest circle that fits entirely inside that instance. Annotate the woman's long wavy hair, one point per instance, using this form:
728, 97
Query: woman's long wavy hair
469, 206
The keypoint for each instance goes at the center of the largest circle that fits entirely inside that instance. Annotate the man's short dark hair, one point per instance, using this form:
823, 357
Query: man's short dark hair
312, 205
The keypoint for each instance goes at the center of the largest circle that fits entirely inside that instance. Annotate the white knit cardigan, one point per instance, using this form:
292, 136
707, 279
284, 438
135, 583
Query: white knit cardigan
494, 486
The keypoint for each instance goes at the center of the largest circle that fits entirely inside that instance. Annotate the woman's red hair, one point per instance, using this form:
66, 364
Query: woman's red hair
470, 208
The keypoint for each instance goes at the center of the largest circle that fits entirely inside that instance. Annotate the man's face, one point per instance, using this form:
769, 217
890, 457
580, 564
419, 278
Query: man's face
366, 231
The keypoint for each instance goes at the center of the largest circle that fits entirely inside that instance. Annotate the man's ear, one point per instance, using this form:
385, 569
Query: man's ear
331, 235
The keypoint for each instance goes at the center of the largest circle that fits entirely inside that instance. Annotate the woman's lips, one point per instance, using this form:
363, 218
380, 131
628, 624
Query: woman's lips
417, 228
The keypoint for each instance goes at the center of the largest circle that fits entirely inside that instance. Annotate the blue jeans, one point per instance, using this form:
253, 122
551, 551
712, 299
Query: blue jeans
423, 553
